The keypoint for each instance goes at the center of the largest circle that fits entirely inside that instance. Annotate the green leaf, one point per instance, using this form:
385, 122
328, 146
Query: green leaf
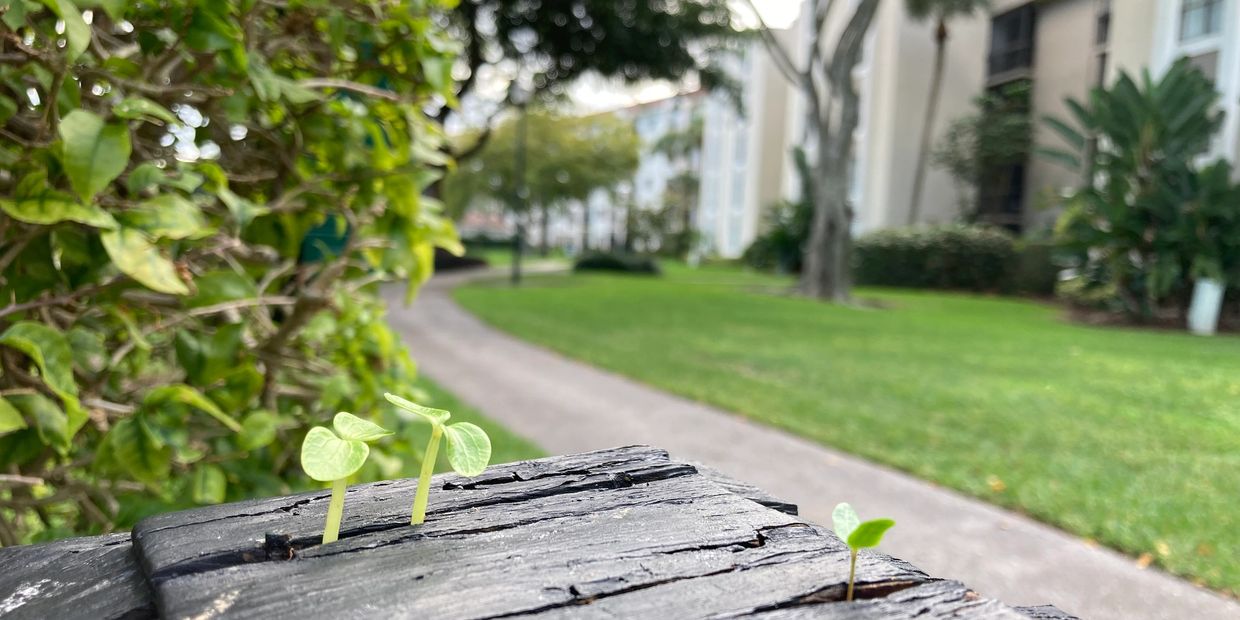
326, 457
8, 108
845, 520
209, 485
140, 451
434, 416
114, 8
15, 15
36, 203
138, 258
89, 352
469, 448
257, 430
145, 175
10, 418
51, 353
353, 428
186, 395
49, 420
94, 153
77, 33
869, 534
169, 216
138, 108
219, 286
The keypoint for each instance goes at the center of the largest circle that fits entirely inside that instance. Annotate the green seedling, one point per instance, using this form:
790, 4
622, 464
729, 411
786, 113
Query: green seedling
332, 457
858, 535
469, 449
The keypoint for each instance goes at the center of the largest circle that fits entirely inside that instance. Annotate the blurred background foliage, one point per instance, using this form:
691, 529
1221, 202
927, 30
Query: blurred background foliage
197, 202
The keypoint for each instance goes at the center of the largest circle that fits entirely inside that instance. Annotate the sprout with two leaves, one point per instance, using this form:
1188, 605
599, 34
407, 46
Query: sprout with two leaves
332, 457
858, 535
469, 449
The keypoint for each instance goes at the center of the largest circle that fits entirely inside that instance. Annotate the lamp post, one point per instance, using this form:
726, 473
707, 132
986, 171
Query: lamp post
521, 98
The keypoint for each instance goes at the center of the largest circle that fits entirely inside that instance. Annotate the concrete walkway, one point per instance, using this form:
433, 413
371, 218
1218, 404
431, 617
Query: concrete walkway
565, 406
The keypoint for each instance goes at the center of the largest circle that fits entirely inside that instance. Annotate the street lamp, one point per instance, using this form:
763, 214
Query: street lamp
519, 97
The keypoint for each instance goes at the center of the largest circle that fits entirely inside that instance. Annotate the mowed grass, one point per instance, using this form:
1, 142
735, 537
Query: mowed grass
1127, 437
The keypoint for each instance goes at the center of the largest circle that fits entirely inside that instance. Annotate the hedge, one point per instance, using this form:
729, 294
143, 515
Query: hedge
957, 257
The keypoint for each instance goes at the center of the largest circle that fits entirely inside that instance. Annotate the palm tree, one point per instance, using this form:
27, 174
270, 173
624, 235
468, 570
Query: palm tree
941, 11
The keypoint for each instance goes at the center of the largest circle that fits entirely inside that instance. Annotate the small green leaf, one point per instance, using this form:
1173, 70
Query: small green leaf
94, 152
77, 33
8, 108
434, 416
140, 451
353, 428
51, 353
469, 448
219, 286
257, 430
326, 457
210, 485
869, 534
36, 203
51, 422
845, 520
145, 175
138, 108
135, 255
186, 395
10, 418
168, 216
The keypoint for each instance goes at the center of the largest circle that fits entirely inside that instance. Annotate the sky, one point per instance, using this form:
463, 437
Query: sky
592, 94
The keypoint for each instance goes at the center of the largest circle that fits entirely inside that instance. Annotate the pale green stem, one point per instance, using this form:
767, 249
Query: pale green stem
852, 574
335, 510
424, 479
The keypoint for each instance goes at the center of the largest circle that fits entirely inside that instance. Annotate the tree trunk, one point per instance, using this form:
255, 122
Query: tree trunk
826, 273
927, 126
585, 227
544, 224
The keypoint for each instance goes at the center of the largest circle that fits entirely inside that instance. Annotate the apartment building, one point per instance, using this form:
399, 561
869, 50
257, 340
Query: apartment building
744, 151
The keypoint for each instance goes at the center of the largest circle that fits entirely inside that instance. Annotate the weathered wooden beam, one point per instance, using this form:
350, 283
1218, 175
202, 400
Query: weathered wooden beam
75, 578
622, 533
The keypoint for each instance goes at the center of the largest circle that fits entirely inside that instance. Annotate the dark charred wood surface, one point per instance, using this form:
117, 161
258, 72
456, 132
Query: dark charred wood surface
74, 578
623, 533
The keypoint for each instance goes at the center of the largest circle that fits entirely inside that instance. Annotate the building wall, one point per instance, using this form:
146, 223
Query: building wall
744, 152
1066, 65
901, 68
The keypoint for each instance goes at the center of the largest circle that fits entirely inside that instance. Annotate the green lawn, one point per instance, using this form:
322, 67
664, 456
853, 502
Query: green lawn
1131, 438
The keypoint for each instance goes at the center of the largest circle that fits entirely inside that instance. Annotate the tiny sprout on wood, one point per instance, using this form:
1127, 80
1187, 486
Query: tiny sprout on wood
332, 457
858, 535
469, 449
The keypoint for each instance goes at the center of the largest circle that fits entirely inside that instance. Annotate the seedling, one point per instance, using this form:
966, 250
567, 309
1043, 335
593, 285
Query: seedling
469, 449
858, 535
334, 456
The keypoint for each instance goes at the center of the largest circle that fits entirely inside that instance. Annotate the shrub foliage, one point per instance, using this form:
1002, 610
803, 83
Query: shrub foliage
618, 262
950, 257
163, 340
1149, 220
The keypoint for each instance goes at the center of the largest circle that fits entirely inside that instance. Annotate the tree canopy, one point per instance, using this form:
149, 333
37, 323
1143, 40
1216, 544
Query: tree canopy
567, 158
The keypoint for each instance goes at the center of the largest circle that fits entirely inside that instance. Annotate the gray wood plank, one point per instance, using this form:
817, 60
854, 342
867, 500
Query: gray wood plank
74, 578
624, 532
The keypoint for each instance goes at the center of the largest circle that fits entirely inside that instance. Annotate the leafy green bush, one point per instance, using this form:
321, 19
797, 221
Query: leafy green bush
619, 262
1036, 270
166, 339
782, 246
948, 257
1150, 220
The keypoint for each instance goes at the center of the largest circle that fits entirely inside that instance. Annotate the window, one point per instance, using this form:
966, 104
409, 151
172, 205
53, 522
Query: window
1011, 40
1207, 63
1102, 30
1199, 18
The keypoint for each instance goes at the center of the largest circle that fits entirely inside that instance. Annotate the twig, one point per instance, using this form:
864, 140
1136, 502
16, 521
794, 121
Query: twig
15, 479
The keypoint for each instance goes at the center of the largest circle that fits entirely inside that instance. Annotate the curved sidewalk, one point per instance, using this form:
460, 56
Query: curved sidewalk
566, 406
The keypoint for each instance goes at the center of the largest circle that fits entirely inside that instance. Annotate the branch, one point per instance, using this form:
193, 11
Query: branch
782, 61
352, 86
14, 479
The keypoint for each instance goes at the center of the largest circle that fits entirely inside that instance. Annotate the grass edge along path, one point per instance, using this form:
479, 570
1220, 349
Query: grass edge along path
1130, 438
